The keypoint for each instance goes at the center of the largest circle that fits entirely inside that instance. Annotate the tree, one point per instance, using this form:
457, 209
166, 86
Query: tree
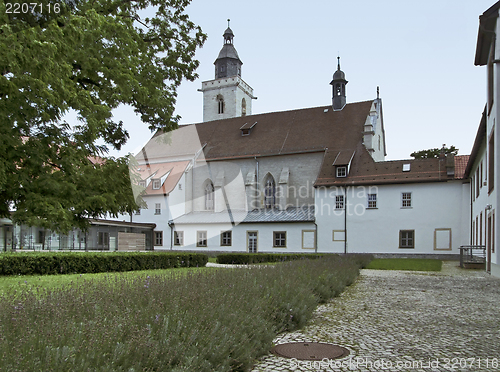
88, 56
434, 153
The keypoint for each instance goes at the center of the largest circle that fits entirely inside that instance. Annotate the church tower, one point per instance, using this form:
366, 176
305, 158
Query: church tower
338, 84
227, 96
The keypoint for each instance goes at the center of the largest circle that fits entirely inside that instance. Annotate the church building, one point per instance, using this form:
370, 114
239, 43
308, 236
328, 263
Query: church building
306, 180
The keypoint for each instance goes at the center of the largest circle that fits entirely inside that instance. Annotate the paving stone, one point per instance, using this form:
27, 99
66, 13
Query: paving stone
406, 321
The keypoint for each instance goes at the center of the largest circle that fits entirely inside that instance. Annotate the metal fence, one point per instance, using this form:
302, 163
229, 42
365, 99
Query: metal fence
472, 256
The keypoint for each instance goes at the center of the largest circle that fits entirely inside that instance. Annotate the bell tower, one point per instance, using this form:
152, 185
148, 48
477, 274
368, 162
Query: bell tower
338, 84
227, 96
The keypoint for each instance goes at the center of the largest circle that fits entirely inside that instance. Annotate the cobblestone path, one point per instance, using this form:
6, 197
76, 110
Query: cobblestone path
406, 321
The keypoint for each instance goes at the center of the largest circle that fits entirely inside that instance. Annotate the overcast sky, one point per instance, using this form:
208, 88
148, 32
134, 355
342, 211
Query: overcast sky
420, 54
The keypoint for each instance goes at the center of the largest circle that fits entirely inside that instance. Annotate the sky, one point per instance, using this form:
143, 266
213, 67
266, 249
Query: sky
420, 54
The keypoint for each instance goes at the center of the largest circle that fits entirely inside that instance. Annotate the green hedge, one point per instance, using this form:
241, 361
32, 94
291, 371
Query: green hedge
45, 263
253, 258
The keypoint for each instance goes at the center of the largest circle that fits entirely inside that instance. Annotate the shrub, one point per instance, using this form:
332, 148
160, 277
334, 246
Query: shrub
46, 263
218, 320
254, 258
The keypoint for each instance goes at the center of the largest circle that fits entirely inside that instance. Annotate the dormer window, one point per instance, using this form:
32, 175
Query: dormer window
156, 184
142, 184
246, 129
406, 167
341, 172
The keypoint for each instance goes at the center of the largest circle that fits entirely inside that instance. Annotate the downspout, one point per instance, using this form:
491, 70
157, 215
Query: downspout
471, 242
345, 220
171, 225
316, 237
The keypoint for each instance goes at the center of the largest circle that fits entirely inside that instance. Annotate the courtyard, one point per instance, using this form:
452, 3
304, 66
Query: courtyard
405, 321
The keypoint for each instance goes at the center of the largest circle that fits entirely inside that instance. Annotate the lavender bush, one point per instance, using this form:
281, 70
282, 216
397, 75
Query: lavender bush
215, 320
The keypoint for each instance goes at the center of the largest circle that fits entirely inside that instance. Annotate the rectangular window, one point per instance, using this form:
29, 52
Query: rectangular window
481, 180
372, 200
103, 239
142, 183
491, 162
478, 180
158, 238
201, 238
179, 238
138, 212
225, 238
156, 184
406, 200
339, 202
481, 228
41, 236
406, 238
157, 208
279, 238
341, 171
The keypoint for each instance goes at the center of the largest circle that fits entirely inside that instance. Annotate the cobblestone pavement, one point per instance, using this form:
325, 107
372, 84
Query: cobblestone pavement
406, 321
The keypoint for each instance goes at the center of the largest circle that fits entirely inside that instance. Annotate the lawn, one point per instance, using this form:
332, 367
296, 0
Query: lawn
11, 284
412, 264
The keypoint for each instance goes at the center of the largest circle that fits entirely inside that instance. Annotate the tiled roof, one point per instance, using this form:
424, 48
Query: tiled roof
292, 214
364, 171
277, 133
173, 171
460, 165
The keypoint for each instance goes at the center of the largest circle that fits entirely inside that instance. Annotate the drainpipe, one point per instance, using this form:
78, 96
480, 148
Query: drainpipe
345, 219
471, 242
171, 225
316, 237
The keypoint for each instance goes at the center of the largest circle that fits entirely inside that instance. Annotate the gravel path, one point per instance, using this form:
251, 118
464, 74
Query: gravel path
406, 321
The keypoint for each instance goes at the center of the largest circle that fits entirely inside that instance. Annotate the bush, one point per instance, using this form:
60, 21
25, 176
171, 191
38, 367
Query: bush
218, 320
254, 258
46, 263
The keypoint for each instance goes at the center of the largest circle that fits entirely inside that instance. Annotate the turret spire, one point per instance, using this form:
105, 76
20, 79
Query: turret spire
338, 84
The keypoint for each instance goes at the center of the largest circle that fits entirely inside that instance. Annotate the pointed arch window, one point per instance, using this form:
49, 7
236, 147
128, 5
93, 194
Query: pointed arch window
220, 104
209, 196
243, 107
270, 193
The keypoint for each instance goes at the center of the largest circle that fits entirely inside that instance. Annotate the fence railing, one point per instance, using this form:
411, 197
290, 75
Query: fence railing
472, 256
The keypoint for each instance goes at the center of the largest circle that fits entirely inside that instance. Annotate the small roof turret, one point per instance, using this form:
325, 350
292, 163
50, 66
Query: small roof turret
228, 62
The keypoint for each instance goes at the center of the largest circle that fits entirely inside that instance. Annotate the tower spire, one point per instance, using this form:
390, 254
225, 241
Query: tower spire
338, 84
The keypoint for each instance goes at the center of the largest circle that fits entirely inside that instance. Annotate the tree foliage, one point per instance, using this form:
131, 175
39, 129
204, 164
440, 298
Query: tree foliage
89, 57
434, 153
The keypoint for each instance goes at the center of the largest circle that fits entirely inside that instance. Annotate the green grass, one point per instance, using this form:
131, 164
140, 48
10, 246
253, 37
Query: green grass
412, 264
11, 284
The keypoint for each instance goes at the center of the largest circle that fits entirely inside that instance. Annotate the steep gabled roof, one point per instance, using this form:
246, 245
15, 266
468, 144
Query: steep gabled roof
169, 172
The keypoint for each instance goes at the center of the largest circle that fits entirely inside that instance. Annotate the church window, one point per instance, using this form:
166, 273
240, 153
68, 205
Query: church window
339, 202
270, 193
406, 238
243, 107
209, 196
341, 171
220, 104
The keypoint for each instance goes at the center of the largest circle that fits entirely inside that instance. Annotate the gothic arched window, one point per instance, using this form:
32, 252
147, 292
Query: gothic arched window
209, 196
220, 104
270, 192
243, 107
